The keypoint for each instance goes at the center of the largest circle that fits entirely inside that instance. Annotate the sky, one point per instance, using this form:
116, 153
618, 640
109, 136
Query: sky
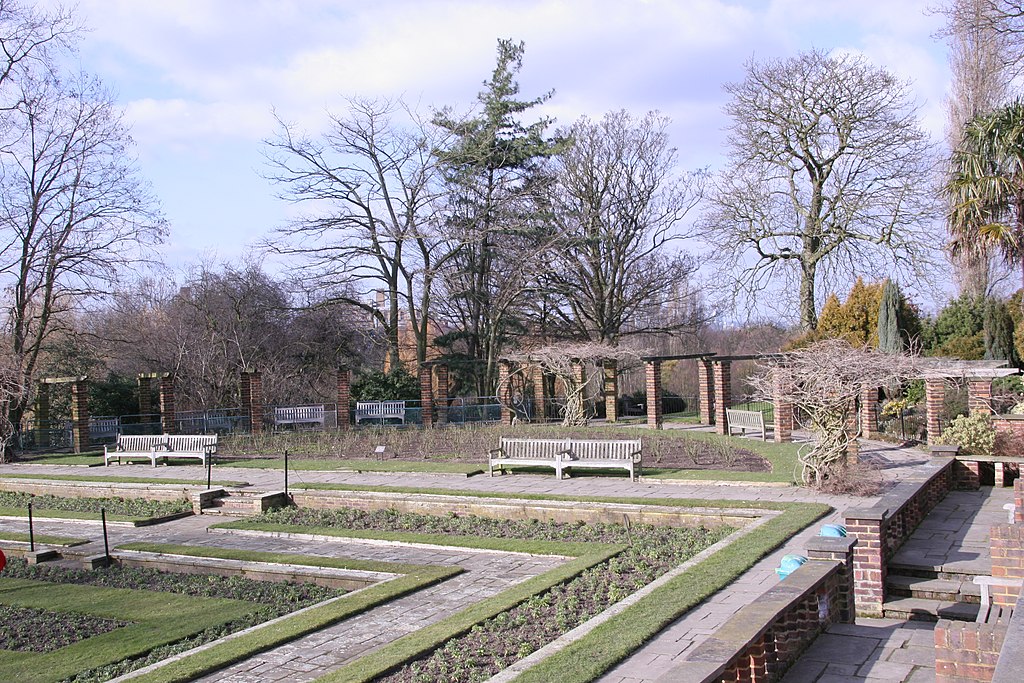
200, 80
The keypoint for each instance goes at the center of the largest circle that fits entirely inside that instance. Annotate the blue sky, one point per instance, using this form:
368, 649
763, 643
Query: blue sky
199, 78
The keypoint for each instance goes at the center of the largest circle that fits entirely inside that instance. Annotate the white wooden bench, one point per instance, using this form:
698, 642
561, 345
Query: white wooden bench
989, 613
161, 447
299, 415
566, 454
743, 420
379, 411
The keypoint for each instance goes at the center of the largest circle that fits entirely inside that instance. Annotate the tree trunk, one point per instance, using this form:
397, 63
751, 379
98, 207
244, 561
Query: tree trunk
808, 309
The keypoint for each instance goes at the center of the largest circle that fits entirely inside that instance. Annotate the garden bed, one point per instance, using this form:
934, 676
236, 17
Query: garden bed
136, 511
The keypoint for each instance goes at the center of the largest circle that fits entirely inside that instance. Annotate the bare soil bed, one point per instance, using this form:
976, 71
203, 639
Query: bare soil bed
470, 445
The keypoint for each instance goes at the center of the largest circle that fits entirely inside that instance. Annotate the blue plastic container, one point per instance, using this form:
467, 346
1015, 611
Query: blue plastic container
833, 531
789, 564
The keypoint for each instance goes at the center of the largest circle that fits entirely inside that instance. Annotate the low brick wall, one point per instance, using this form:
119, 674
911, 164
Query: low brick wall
966, 651
882, 529
1007, 547
764, 638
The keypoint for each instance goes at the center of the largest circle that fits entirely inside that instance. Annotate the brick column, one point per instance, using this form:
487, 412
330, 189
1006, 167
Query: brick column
838, 550
1018, 499
966, 651
979, 395
1007, 548
723, 393
145, 398
540, 403
935, 395
427, 395
784, 420
441, 370
504, 391
611, 390
868, 527
80, 414
868, 414
43, 413
652, 371
707, 394
344, 398
252, 400
167, 421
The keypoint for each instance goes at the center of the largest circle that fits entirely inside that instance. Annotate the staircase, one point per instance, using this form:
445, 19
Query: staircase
244, 503
916, 593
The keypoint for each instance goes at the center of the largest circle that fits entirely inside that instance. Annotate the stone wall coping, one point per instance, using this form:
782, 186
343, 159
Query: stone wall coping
713, 656
893, 501
243, 566
1010, 667
944, 450
875, 514
831, 544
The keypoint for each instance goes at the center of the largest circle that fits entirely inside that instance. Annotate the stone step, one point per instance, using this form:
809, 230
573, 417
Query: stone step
926, 572
947, 590
922, 609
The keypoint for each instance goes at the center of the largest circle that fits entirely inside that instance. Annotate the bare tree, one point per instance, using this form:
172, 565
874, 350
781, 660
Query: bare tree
371, 188
823, 381
74, 214
1003, 19
825, 179
617, 204
12, 393
978, 58
27, 36
572, 364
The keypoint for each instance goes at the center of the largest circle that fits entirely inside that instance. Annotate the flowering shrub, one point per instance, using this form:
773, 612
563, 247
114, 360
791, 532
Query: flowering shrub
974, 433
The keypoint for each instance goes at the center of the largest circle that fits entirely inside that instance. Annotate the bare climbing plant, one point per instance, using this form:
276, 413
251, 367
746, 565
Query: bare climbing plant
823, 382
575, 365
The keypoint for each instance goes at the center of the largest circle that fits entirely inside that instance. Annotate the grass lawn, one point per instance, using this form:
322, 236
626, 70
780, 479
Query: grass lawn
358, 465
86, 458
157, 619
782, 456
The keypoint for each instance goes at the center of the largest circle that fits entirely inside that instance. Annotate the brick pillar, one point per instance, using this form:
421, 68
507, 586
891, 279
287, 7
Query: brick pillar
722, 381
80, 415
344, 398
1018, 499
252, 400
707, 393
540, 403
167, 421
868, 527
145, 398
784, 420
427, 395
611, 390
43, 413
504, 391
655, 418
979, 395
852, 428
935, 395
868, 414
1007, 549
442, 393
838, 550
966, 651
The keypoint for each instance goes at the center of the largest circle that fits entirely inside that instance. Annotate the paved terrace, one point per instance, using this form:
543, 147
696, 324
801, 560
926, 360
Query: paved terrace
872, 650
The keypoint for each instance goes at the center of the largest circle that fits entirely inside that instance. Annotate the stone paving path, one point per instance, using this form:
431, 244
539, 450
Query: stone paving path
646, 664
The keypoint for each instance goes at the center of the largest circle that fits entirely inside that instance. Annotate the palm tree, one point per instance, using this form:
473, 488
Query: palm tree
986, 184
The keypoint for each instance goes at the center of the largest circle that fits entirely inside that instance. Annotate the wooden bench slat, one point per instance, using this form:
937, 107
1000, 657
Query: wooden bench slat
156, 447
380, 410
564, 454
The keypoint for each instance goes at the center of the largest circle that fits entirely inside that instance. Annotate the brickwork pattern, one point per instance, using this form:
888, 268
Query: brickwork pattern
540, 402
722, 381
1018, 501
43, 413
611, 391
427, 396
145, 398
168, 423
705, 381
80, 415
1009, 436
966, 651
935, 397
868, 414
1007, 547
852, 430
252, 400
504, 372
441, 399
344, 398
655, 418
979, 395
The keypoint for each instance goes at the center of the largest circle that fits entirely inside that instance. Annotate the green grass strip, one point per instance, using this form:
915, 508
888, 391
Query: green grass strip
87, 458
516, 545
614, 640
359, 465
275, 558
243, 647
124, 480
42, 538
424, 640
70, 514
